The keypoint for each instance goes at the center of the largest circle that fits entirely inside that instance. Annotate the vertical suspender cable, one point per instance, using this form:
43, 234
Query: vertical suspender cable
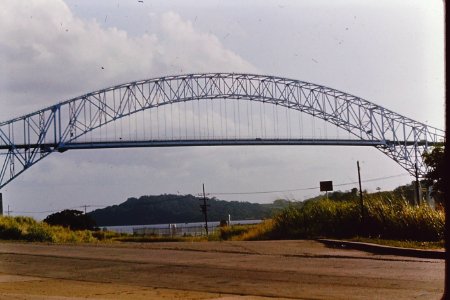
261, 117
143, 122
287, 120
150, 121
226, 118
157, 117
251, 117
324, 114
212, 117
171, 117
129, 115
301, 124
193, 117
314, 127
121, 119
221, 117
239, 117
277, 121
150, 112
90, 120
136, 118
198, 117
234, 117
115, 115
185, 120
207, 119
179, 120
165, 121
248, 118
264, 119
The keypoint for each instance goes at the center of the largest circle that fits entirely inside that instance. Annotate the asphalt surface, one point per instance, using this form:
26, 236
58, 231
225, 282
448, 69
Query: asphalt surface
213, 270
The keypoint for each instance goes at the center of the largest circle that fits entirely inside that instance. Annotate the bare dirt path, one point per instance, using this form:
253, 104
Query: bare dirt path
212, 270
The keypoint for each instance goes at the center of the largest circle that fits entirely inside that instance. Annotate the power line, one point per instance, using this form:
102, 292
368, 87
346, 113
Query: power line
306, 188
228, 193
373, 179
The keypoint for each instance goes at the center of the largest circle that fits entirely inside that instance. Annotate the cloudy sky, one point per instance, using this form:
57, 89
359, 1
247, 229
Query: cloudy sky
387, 52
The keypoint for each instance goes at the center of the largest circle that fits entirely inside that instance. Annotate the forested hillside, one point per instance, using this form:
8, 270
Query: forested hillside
180, 209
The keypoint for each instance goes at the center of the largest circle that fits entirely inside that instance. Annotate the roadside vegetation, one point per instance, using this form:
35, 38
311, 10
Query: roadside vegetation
389, 218
386, 219
28, 229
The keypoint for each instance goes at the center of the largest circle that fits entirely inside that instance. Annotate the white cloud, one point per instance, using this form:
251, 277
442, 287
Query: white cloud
48, 55
183, 46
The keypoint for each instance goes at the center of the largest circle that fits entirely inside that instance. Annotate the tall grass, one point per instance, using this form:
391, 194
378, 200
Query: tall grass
261, 231
28, 229
383, 218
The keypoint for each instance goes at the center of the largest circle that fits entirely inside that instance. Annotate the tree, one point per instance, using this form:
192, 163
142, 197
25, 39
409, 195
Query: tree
434, 177
74, 219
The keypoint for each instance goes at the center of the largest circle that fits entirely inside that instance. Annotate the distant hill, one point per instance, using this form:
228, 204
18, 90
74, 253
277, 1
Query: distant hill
180, 209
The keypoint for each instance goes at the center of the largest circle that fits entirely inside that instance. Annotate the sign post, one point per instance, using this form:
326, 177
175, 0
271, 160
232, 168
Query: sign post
204, 208
326, 186
360, 195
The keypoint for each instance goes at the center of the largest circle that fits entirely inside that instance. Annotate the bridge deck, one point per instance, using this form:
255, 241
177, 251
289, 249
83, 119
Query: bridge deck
205, 142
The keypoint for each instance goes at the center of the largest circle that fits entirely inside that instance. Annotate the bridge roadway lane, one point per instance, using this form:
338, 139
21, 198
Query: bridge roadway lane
212, 270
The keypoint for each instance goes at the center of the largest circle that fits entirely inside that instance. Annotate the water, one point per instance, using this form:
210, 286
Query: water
179, 228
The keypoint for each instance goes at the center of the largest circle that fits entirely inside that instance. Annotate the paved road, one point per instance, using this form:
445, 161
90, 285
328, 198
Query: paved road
213, 270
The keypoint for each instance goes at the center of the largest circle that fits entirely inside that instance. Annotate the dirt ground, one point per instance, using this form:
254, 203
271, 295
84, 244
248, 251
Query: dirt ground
212, 270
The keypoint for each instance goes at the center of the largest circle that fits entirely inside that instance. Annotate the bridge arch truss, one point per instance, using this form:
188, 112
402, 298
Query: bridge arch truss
26, 140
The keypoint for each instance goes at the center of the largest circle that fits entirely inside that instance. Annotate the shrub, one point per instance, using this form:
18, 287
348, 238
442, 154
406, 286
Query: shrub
10, 233
9, 229
39, 234
73, 219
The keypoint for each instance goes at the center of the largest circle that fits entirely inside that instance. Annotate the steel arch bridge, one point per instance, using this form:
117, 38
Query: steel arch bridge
28, 139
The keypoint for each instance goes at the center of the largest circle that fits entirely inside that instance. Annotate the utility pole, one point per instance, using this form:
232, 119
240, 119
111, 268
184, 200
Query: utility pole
204, 208
417, 178
417, 185
360, 195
